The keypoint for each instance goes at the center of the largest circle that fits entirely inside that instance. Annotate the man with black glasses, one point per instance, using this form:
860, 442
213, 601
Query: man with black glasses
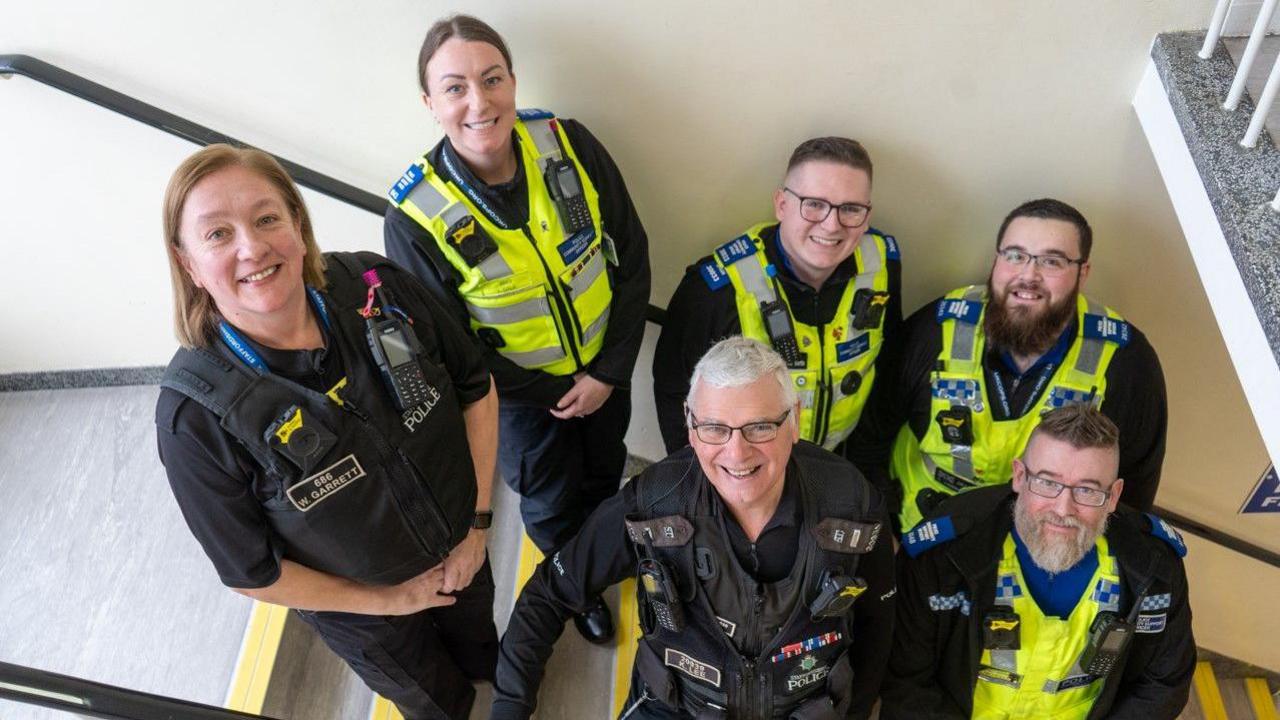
819, 284
974, 371
1044, 598
765, 585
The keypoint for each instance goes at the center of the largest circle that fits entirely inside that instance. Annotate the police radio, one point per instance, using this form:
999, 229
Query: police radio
1108, 637
395, 349
565, 187
777, 321
660, 592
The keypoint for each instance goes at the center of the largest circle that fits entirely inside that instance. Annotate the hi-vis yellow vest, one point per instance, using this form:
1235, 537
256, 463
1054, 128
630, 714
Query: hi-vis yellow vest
542, 299
1043, 678
839, 358
934, 463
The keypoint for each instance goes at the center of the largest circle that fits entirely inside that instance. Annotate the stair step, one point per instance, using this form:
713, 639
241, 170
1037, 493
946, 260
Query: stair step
1208, 694
1236, 699
1264, 703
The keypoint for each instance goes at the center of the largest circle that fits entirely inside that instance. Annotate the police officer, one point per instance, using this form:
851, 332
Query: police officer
820, 285
765, 588
976, 369
1069, 606
521, 225
329, 435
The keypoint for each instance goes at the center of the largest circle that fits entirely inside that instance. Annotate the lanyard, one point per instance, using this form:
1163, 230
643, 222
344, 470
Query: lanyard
471, 192
245, 351
1046, 372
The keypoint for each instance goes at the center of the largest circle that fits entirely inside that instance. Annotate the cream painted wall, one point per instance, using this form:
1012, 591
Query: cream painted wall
968, 109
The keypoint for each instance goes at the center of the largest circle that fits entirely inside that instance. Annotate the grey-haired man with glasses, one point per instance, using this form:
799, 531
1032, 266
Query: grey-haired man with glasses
764, 581
972, 373
1044, 598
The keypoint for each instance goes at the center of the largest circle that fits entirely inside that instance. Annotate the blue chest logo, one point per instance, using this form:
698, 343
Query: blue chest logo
851, 349
573, 248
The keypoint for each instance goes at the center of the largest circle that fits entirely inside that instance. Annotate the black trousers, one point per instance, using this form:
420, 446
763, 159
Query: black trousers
425, 662
562, 469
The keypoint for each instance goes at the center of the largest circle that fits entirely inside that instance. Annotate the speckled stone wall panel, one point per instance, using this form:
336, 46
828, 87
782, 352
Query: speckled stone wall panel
1241, 182
93, 377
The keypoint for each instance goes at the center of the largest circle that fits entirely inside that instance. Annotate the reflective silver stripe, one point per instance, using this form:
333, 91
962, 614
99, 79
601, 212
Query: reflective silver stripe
962, 335
1076, 672
507, 314
426, 198
835, 438
534, 358
754, 280
1091, 348
594, 328
582, 281
962, 461
454, 213
1005, 660
806, 398
495, 266
932, 468
544, 141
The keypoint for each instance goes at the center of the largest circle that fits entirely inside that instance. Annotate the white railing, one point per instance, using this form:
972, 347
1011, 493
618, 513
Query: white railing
1269, 92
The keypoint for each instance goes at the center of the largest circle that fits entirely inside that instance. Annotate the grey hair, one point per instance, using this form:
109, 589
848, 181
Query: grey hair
737, 361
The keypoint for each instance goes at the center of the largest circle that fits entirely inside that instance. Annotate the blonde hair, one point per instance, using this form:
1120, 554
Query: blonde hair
195, 316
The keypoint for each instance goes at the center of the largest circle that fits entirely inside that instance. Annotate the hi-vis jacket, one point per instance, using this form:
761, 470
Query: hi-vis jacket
961, 401
957, 569
836, 362
537, 294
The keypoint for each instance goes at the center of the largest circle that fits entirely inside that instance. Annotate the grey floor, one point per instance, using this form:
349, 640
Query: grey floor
100, 578
1257, 77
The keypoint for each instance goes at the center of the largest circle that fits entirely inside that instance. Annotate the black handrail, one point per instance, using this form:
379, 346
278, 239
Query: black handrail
106, 97
85, 697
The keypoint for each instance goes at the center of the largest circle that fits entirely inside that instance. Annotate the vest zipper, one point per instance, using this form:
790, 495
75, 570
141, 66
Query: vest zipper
565, 318
821, 423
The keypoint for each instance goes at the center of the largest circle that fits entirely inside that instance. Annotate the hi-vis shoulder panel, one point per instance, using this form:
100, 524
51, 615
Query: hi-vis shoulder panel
928, 534
1165, 532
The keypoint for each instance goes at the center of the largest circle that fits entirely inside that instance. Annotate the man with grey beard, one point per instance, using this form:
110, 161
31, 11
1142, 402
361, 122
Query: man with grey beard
971, 373
1044, 598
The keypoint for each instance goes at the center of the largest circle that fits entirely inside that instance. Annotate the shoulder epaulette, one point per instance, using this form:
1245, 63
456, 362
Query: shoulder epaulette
965, 311
528, 114
713, 275
734, 250
1106, 328
1165, 532
407, 182
891, 251
927, 534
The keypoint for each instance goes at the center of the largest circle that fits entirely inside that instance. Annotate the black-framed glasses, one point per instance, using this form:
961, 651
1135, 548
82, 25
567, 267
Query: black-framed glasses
760, 431
815, 210
1081, 494
1048, 264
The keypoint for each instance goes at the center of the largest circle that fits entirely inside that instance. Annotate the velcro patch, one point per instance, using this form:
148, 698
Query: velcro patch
851, 349
1063, 396
1165, 532
407, 181
712, 275
958, 601
325, 484
927, 534
891, 251
962, 392
1152, 623
966, 311
528, 114
1102, 327
571, 249
693, 668
667, 531
846, 536
736, 249
1156, 602
1068, 683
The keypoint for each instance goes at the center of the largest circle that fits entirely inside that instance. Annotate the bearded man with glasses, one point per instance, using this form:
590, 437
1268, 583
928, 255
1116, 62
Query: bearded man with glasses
765, 587
817, 283
1044, 598
973, 372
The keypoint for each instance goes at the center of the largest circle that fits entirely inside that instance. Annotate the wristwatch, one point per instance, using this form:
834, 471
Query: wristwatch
483, 520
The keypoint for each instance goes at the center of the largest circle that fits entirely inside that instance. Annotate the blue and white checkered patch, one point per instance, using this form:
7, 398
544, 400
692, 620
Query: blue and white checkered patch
1156, 602
1007, 589
941, 603
964, 392
1106, 593
1062, 397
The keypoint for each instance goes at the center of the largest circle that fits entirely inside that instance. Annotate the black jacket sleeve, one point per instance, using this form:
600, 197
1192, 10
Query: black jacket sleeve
1159, 690
911, 688
1135, 401
873, 621
697, 318
600, 555
631, 278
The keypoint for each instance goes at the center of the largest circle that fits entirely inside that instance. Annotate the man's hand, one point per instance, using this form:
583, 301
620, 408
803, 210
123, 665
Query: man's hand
417, 593
463, 562
585, 397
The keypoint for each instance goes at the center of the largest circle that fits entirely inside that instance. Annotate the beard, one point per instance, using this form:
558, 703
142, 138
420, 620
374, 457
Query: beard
1020, 330
1053, 553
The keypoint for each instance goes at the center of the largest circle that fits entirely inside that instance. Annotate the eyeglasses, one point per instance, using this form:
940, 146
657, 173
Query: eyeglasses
761, 431
815, 210
1048, 264
1082, 495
